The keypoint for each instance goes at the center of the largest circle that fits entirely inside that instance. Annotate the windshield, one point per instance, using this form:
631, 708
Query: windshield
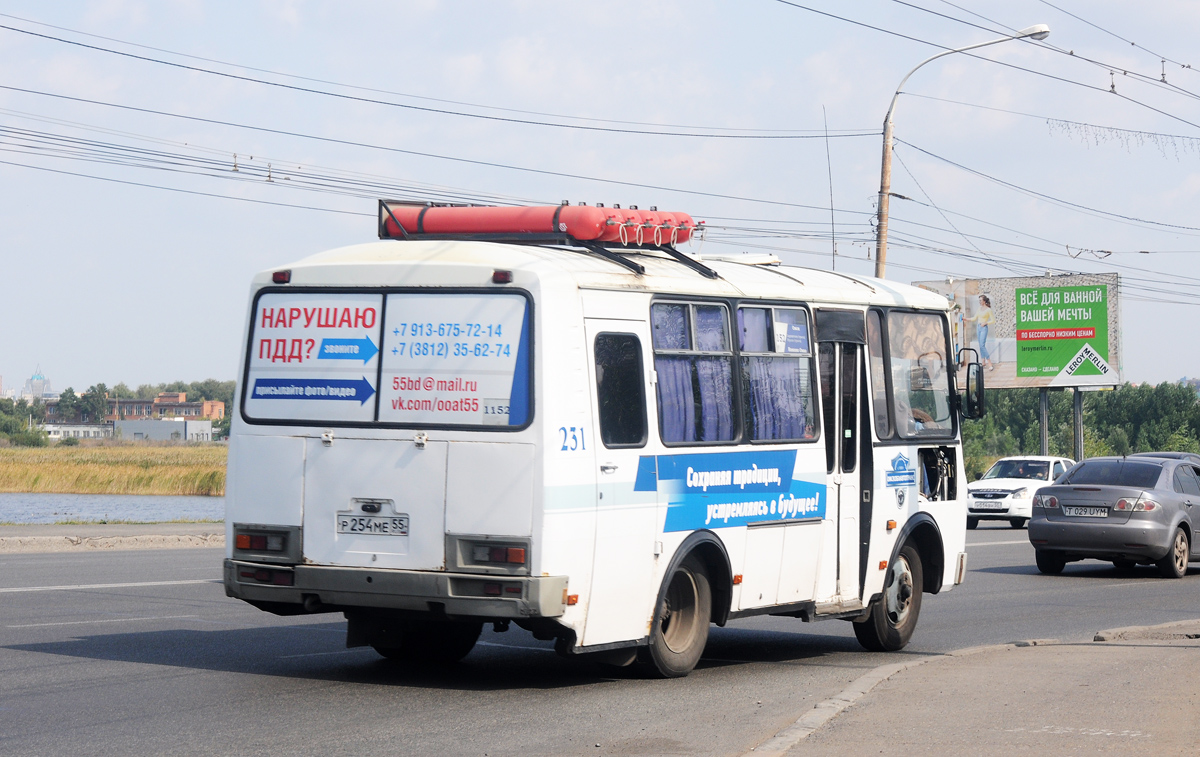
1035, 469
1115, 473
920, 382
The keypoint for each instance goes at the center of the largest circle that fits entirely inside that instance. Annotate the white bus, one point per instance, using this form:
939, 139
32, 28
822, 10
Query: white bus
499, 415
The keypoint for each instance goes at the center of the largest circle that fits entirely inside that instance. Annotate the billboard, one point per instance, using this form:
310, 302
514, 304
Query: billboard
1038, 331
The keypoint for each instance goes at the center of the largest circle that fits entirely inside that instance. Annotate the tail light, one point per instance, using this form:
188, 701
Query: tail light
1047, 501
1145, 505
487, 553
1124, 505
260, 542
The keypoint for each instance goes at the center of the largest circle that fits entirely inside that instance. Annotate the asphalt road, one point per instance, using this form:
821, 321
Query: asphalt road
144, 653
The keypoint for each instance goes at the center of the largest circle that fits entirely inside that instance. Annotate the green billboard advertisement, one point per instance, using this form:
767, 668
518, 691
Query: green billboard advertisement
1037, 331
1062, 332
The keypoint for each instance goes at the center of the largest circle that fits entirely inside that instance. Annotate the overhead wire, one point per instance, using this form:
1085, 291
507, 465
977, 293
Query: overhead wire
1119, 217
1110, 67
420, 108
403, 94
969, 54
1185, 66
418, 153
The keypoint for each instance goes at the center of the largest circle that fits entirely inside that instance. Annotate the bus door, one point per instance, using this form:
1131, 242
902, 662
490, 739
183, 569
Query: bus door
627, 527
840, 338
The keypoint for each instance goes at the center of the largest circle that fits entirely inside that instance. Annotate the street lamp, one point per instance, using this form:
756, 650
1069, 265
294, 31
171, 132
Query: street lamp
1037, 31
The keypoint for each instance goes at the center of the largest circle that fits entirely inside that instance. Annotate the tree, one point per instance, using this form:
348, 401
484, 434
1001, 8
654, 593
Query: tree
1118, 441
1182, 441
93, 404
68, 405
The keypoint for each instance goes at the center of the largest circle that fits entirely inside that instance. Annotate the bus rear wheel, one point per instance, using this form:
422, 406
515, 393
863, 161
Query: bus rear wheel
894, 617
427, 641
679, 632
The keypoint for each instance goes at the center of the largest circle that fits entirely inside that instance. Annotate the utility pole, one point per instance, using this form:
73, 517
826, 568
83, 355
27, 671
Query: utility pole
1038, 31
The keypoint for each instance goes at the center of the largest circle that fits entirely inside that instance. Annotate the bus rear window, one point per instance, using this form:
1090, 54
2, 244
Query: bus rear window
457, 359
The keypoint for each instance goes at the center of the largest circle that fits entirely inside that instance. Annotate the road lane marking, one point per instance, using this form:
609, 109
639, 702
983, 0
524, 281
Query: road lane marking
82, 587
513, 646
107, 620
997, 543
321, 654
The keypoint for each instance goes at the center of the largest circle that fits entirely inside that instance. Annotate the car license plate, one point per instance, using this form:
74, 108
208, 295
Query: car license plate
386, 525
984, 505
1086, 512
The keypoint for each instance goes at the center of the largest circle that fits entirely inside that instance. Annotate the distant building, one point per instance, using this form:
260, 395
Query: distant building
165, 405
37, 388
59, 431
164, 430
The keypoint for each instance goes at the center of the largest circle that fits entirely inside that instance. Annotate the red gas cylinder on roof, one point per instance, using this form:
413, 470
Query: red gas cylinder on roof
580, 222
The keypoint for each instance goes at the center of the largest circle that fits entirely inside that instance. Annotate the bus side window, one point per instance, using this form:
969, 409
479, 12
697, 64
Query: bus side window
694, 361
620, 390
777, 374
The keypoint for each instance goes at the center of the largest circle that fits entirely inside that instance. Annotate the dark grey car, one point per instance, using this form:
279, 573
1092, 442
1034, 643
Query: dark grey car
1128, 510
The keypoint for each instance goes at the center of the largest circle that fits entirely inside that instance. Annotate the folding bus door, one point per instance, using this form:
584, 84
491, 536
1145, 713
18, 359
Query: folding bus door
840, 337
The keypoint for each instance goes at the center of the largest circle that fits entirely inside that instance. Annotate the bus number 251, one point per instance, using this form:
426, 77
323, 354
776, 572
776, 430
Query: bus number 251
572, 439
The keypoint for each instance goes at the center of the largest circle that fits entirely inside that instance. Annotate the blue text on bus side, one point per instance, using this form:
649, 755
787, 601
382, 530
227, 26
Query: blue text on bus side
724, 489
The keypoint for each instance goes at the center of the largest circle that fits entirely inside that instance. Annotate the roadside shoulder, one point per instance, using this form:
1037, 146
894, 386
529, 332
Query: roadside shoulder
109, 536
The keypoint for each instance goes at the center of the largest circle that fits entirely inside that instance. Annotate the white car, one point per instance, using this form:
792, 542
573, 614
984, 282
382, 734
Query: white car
1006, 491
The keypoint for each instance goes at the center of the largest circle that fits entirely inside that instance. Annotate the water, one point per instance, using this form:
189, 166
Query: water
51, 508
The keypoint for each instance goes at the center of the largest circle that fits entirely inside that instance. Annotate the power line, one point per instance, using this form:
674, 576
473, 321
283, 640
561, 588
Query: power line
421, 108
1050, 198
1118, 36
1035, 72
417, 153
404, 94
1110, 67
186, 191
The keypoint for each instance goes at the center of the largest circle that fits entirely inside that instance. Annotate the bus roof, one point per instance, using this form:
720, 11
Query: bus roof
456, 263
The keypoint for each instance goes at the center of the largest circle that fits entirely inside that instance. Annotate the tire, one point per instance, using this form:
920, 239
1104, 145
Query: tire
1175, 563
972, 523
894, 617
1050, 563
1018, 522
431, 642
1124, 566
679, 631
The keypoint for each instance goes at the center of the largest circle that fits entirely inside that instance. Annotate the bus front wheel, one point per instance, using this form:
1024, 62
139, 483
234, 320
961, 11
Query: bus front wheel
894, 616
680, 628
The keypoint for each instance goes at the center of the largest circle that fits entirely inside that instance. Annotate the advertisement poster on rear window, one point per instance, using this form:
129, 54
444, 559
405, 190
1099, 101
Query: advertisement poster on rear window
313, 357
456, 359
1048, 331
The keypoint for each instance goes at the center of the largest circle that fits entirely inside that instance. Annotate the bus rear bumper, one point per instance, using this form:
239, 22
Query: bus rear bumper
310, 587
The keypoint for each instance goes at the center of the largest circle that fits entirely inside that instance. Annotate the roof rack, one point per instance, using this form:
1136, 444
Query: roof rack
600, 231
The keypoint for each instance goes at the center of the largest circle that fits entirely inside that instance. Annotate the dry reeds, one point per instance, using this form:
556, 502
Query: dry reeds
181, 469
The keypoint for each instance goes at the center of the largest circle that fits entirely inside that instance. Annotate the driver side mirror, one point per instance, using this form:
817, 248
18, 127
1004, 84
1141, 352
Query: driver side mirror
972, 407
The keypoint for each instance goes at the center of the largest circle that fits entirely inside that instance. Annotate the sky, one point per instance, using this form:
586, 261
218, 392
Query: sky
128, 239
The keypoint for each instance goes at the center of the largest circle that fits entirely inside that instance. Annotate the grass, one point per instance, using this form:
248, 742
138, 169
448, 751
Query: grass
126, 469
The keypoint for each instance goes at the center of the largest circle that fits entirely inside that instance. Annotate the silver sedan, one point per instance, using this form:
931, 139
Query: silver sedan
1127, 510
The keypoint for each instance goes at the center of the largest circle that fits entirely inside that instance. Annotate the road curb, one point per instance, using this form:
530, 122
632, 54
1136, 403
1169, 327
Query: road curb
824, 711
1160, 632
42, 544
